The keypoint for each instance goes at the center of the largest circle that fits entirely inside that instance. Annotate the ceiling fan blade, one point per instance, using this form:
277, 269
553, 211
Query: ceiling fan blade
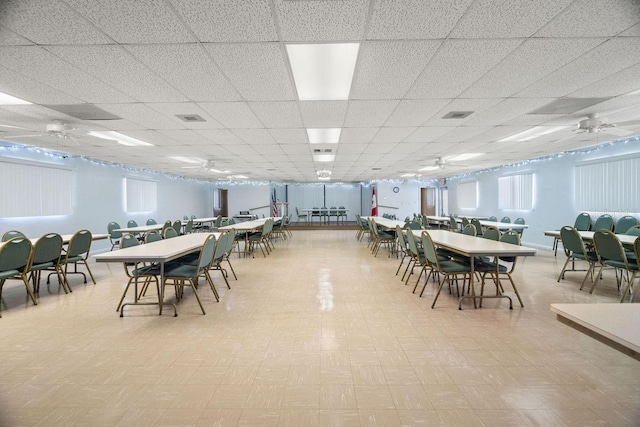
73, 139
617, 131
628, 123
26, 136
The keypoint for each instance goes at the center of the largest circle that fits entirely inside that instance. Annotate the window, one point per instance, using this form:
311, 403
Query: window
30, 189
608, 185
140, 195
516, 192
468, 195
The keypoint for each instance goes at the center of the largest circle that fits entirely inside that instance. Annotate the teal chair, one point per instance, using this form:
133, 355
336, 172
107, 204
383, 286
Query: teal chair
114, 236
182, 275
333, 212
477, 225
301, 216
496, 270
625, 223
315, 212
188, 228
225, 242
611, 254
342, 214
47, 252
492, 218
134, 273
11, 234
169, 233
576, 250
151, 221
582, 222
521, 222
78, 253
15, 257
604, 222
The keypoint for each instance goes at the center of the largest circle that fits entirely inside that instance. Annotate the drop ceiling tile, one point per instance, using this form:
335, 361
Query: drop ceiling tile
369, 113
530, 62
277, 114
608, 58
458, 64
395, 134
255, 137
415, 112
410, 147
140, 21
476, 105
142, 115
344, 149
228, 21
289, 136
357, 135
631, 32
296, 149
259, 72
189, 69
415, 19
506, 110
462, 133
117, 68
44, 67
387, 69
186, 136
622, 82
428, 133
220, 136
323, 114
23, 87
244, 150
319, 21
500, 19
232, 114
49, 22
592, 18
9, 38
380, 148
172, 109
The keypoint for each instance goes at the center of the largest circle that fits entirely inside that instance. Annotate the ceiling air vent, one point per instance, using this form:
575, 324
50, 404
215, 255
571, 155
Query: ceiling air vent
190, 117
83, 111
457, 114
376, 169
322, 150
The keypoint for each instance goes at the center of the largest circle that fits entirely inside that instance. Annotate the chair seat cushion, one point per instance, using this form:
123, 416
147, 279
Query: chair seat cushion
8, 273
450, 266
42, 266
182, 271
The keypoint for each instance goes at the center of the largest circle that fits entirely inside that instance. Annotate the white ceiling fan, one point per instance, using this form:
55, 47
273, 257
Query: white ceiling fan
594, 124
208, 165
57, 129
441, 163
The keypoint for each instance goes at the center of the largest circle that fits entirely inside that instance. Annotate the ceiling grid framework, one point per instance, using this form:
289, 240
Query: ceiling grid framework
150, 61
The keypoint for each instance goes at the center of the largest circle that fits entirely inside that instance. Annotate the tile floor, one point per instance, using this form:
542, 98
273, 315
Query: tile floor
320, 333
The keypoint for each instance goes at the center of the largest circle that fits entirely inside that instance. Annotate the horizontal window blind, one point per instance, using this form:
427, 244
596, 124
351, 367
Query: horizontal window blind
516, 192
140, 195
468, 195
608, 186
35, 190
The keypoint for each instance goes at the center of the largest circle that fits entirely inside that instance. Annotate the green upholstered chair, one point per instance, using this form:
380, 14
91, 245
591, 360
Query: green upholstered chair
611, 254
576, 250
135, 272
11, 234
114, 236
301, 216
78, 253
15, 256
151, 221
625, 223
604, 222
47, 252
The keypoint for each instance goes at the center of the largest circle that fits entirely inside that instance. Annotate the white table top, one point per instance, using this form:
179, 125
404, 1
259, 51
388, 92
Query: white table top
617, 322
625, 239
474, 246
250, 225
67, 237
140, 228
438, 218
509, 225
160, 251
385, 222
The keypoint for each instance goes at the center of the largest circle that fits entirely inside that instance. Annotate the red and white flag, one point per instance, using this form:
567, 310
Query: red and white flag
374, 205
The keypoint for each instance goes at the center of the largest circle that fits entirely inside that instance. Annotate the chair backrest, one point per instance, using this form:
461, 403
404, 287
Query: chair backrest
177, 225
132, 223
453, 224
625, 223
151, 221
430, 251
166, 225
15, 254
48, 248
221, 246
470, 230
604, 222
571, 240
297, 211
169, 233
111, 227
476, 224
333, 210
491, 233
79, 244
608, 246
633, 231
402, 239
636, 251
582, 222
152, 236
193, 217
230, 241
512, 237
206, 253
11, 234
411, 243
185, 217
505, 219
218, 221
465, 221
413, 225
128, 240
493, 218
519, 221
189, 227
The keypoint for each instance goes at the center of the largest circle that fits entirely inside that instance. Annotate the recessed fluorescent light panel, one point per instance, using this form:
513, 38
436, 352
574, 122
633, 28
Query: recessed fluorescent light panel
429, 168
324, 135
323, 72
11, 100
218, 170
533, 133
120, 138
463, 157
324, 157
189, 160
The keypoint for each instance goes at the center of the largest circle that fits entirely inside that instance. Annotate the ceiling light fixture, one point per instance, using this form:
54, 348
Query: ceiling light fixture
324, 157
11, 100
324, 135
189, 160
323, 72
120, 138
463, 157
217, 170
533, 133
429, 168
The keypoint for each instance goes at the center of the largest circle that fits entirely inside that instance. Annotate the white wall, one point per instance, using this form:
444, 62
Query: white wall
99, 198
255, 198
553, 193
402, 204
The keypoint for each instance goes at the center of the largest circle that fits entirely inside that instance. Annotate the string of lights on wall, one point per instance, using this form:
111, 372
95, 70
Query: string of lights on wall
63, 156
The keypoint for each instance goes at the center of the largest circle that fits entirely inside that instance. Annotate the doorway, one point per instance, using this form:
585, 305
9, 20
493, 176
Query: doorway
428, 201
220, 203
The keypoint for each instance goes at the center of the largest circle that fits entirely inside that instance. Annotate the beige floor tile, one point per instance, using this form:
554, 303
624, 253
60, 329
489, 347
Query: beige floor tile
299, 417
342, 418
259, 418
410, 397
374, 397
379, 417
301, 397
219, 417
337, 396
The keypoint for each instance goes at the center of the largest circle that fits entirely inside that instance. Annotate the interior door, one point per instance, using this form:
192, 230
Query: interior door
428, 201
220, 202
